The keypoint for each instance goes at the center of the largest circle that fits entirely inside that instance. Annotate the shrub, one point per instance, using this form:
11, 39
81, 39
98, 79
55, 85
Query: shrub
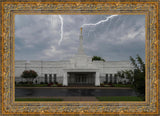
102, 84
119, 82
36, 82
128, 83
110, 83
21, 82
55, 82
59, 85
50, 84
115, 82
41, 82
54, 85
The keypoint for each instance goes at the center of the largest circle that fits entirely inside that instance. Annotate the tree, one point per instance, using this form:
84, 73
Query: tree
128, 74
97, 58
29, 75
136, 76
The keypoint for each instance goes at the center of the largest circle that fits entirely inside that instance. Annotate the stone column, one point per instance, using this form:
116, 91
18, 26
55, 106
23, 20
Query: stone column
65, 80
97, 79
48, 78
109, 78
52, 78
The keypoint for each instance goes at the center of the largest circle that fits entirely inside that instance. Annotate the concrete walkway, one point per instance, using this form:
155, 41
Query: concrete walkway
80, 87
73, 92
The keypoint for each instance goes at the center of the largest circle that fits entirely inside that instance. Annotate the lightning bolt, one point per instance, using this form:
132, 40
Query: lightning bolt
91, 24
61, 19
102, 21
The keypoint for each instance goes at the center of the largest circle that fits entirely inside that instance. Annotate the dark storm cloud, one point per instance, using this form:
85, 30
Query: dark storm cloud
118, 39
37, 36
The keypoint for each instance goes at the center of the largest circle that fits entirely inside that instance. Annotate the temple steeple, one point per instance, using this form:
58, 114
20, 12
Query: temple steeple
80, 49
80, 60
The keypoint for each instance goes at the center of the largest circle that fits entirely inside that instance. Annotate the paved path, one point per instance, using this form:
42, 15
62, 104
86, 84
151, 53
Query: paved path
80, 87
74, 92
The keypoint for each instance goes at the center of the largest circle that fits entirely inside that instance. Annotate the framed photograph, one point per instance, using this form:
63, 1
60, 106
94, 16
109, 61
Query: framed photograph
79, 57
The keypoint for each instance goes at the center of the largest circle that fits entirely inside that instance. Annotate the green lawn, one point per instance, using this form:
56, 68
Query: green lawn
110, 98
38, 99
122, 85
31, 85
119, 98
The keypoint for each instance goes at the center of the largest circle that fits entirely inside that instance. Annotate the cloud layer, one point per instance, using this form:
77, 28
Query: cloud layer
37, 36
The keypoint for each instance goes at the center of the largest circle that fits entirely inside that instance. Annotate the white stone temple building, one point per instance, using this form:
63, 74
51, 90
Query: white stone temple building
78, 70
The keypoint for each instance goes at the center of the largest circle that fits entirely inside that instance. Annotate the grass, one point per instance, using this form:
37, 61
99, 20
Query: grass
38, 99
106, 85
110, 98
119, 98
116, 85
31, 85
38, 85
122, 85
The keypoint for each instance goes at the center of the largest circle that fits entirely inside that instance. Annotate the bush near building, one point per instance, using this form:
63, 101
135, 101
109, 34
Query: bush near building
29, 75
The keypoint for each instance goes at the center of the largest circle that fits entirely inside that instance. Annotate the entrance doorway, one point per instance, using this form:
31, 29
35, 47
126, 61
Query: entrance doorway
81, 78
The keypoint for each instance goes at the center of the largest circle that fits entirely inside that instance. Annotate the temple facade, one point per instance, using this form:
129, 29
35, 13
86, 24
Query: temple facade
78, 70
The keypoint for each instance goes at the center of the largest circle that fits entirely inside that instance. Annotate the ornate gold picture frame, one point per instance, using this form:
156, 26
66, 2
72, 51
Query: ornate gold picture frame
10, 106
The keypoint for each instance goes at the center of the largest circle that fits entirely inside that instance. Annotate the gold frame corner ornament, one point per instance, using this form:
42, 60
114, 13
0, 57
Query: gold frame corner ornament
149, 9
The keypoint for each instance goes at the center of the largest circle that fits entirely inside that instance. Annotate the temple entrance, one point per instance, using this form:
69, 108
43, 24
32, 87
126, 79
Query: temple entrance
81, 78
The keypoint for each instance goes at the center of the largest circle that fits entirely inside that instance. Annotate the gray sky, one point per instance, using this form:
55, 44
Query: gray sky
37, 36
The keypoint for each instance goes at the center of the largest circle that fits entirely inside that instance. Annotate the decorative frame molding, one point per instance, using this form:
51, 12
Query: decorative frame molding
149, 106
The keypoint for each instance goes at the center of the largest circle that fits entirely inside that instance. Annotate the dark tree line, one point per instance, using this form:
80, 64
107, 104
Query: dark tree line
97, 58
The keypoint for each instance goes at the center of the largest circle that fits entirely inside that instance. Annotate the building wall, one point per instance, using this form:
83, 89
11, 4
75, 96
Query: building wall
56, 67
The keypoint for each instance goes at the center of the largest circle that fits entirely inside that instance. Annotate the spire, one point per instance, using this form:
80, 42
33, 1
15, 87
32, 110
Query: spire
80, 49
